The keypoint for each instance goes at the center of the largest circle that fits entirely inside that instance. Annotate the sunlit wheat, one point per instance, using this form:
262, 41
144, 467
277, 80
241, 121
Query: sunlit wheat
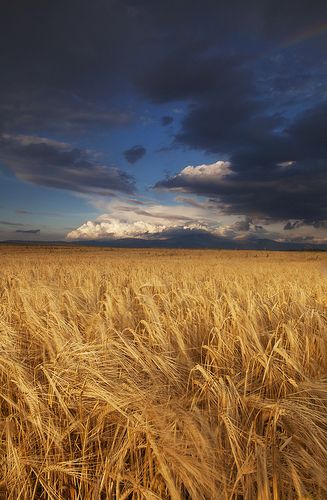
162, 374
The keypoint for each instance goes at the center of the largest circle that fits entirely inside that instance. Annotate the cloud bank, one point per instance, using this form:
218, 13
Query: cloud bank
59, 165
115, 229
150, 220
266, 191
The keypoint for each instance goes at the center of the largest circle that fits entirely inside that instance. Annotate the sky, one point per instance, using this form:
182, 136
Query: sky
164, 121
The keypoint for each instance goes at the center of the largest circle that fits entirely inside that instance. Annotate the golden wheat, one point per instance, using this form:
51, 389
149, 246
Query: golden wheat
143, 374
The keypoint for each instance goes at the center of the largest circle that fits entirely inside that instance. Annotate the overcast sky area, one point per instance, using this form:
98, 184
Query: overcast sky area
164, 121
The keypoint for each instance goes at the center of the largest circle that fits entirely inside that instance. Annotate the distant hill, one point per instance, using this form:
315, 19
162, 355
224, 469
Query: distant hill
187, 241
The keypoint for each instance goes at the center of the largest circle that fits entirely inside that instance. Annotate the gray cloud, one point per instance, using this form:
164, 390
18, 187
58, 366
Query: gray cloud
57, 112
59, 165
242, 225
28, 231
154, 214
292, 225
191, 202
317, 224
296, 194
135, 153
102, 50
8, 223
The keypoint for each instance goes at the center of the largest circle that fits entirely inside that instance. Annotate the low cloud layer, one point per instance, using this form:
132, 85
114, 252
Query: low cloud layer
144, 219
115, 229
125, 219
59, 165
242, 234
109, 229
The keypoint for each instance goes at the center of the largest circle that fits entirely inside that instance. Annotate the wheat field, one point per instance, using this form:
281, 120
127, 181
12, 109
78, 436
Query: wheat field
156, 374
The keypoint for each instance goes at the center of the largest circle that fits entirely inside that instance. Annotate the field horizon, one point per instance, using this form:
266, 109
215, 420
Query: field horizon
202, 242
162, 373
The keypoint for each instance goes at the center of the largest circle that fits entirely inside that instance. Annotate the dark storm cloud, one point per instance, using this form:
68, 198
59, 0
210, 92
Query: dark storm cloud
181, 75
59, 58
298, 193
31, 113
167, 120
64, 60
309, 132
317, 224
134, 154
283, 19
273, 133
28, 231
250, 79
275, 174
54, 164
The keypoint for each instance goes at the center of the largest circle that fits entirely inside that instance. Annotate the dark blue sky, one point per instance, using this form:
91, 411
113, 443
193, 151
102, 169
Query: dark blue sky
163, 119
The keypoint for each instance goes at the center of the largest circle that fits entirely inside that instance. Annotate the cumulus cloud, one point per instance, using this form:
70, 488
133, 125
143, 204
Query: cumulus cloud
193, 235
133, 218
57, 164
125, 221
114, 229
105, 228
152, 220
197, 179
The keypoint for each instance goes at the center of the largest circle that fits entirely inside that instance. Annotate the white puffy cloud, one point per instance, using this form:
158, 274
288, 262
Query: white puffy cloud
207, 171
200, 176
131, 218
148, 219
114, 229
